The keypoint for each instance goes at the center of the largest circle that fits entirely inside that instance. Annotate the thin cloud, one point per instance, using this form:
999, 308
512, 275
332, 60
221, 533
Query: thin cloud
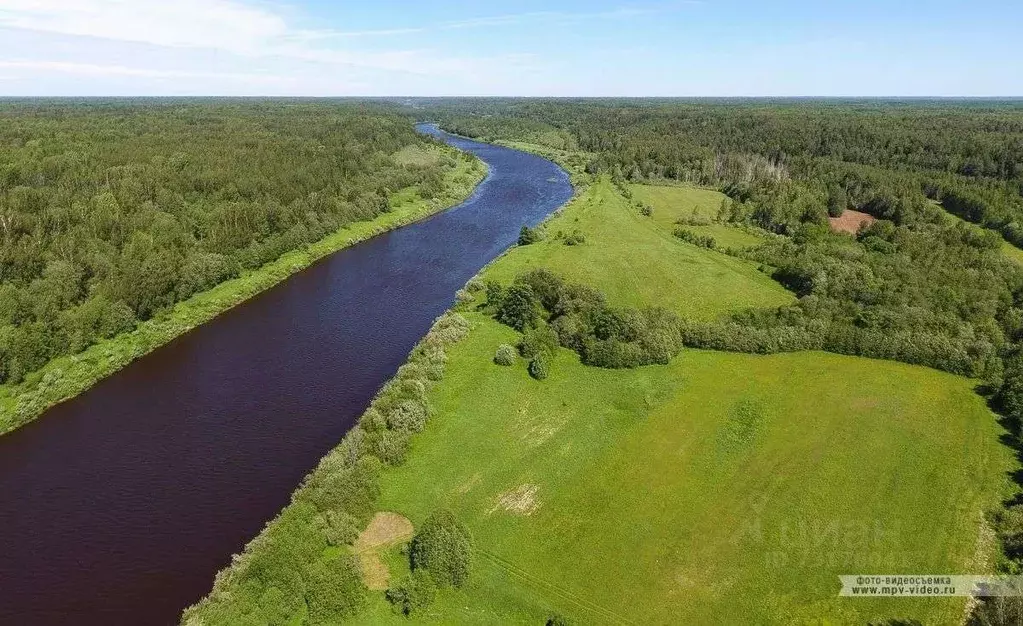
509, 20
94, 69
231, 26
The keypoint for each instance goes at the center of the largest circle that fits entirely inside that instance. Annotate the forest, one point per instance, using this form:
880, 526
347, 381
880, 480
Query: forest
112, 211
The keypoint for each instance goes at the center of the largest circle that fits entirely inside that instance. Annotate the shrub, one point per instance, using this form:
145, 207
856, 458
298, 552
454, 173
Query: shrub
392, 447
613, 354
414, 593
540, 366
505, 355
519, 307
353, 490
334, 590
646, 210
528, 236
443, 547
495, 295
546, 285
704, 241
541, 339
575, 238
338, 527
837, 201
408, 416
557, 620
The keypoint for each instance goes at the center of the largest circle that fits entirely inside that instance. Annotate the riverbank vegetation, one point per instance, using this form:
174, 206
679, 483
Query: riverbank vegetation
125, 225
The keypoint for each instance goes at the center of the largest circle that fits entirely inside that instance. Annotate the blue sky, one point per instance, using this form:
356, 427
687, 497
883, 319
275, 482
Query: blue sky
532, 48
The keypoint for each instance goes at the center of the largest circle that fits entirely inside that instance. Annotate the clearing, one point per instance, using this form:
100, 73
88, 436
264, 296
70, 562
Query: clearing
850, 221
696, 207
637, 261
384, 530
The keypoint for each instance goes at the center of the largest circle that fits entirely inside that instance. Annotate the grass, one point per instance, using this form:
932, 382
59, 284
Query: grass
637, 261
674, 203
723, 488
68, 376
418, 155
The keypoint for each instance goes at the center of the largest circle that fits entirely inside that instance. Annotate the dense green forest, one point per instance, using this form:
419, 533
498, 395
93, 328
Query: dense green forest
111, 211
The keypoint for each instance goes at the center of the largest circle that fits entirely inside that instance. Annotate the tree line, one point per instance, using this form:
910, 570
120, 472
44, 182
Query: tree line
112, 211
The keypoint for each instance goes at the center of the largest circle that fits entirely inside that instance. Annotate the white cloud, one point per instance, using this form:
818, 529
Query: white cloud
219, 26
92, 69
223, 24
95, 43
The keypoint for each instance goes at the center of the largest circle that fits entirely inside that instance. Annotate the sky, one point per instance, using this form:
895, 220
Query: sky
527, 48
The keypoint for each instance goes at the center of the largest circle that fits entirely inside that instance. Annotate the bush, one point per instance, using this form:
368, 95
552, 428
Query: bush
546, 285
646, 210
414, 593
519, 307
495, 295
505, 355
538, 340
528, 236
334, 590
552, 313
704, 241
408, 416
575, 238
557, 620
392, 447
540, 366
837, 201
443, 547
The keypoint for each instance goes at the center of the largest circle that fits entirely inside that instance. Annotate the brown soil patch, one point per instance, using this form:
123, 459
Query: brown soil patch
520, 501
850, 221
384, 530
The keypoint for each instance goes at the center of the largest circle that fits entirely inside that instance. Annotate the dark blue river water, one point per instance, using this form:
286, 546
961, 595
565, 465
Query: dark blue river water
119, 506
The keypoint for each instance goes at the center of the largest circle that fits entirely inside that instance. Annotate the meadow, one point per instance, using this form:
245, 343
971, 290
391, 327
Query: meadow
723, 488
637, 261
698, 209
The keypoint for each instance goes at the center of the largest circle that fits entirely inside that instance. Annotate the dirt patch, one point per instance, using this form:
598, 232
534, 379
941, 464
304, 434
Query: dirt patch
383, 531
850, 221
519, 501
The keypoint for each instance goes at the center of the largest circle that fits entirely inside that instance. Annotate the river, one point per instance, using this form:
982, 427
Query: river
120, 505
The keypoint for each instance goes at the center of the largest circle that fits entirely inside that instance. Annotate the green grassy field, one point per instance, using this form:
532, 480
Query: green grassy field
724, 488
672, 203
637, 261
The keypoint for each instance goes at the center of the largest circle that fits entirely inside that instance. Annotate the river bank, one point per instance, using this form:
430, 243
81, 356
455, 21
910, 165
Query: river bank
66, 377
